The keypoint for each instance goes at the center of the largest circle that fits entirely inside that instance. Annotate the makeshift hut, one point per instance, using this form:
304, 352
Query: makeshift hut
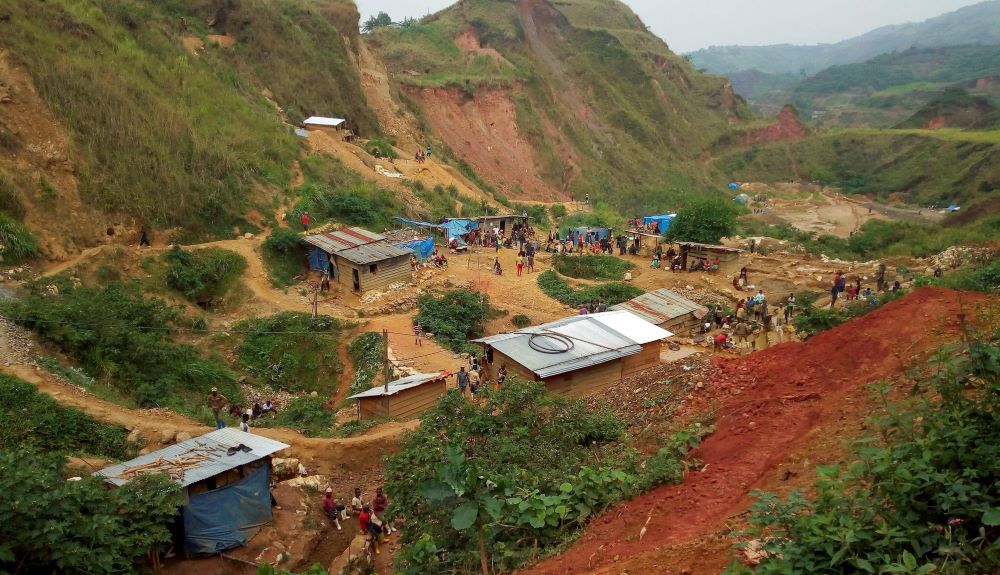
332, 126
729, 258
359, 259
225, 479
588, 235
666, 309
504, 224
580, 355
404, 398
644, 242
662, 222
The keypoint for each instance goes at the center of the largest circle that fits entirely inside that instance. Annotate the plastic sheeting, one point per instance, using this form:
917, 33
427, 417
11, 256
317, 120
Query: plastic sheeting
421, 248
318, 260
227, 517
742, 198
418, 224
662, 221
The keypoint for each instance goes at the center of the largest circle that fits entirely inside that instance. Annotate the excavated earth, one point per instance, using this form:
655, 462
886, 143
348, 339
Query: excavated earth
773, 409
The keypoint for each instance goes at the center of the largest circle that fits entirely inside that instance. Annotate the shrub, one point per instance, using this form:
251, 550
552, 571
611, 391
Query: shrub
17, 243
283, 256
50, 525
292, 351
121, 338
307, 415
984, 278
204, 274
32, 419
558, 211
591, 267
384, 148
922, 494
455, 317
706, 220
520, 321
612, 293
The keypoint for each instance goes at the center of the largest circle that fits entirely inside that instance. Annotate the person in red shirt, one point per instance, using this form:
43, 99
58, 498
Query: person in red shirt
332, 509
720, 341
378, 506
305, 221
368, 527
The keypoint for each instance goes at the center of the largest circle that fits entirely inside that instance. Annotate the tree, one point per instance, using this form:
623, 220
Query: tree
705, 220
381, 21
48, 524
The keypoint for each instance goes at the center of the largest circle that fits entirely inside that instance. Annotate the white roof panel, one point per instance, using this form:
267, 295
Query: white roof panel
321, 121
400, 385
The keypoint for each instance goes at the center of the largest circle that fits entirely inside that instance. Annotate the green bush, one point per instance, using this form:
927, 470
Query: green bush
308, 415
284, 256
292, 351
984, 278
50, 525
384, 148
922, 494
520, 321
612, 293
706, 220
367, 352
558, 211
17, 243
455, 317
121, 338
591, 267
204, 274
32, 419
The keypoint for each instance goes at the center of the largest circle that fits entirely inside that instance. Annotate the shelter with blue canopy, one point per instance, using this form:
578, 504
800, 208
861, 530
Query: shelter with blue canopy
576, 235
734, 186
662, 221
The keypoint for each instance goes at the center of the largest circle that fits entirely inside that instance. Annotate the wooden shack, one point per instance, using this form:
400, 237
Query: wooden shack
729, 258
359, 260
504, 224
667, 309
332, 126
224, 476
403, 399
580, 355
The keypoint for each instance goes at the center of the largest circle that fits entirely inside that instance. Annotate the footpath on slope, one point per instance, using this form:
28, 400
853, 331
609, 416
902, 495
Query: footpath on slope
767, 404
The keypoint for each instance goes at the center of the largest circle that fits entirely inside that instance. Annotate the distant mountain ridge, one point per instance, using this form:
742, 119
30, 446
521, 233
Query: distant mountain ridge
976, 24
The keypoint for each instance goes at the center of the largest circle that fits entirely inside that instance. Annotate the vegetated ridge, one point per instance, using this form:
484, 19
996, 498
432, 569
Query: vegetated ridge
977, 24
552, 100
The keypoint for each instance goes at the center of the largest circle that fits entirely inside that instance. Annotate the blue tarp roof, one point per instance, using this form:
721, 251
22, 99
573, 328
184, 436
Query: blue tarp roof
418, 224
662, 221
421, 248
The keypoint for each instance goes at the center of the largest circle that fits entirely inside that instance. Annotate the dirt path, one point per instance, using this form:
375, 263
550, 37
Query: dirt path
769, 406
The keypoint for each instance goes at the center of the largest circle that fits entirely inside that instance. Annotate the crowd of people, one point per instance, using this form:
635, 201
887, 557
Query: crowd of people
372, 521
751, 324
218, 402
470, 381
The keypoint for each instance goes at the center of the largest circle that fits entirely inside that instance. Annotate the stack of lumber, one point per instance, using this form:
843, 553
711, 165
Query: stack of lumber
174, 467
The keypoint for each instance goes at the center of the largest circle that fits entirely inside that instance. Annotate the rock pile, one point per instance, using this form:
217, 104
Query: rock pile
958, 256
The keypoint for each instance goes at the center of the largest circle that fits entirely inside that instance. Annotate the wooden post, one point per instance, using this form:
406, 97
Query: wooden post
387, 369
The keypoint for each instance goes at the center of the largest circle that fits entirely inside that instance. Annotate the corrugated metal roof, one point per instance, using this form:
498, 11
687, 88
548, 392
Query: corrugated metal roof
400, 385
661, 305
214, 445
597, 338
710, 247
357, 245
321, 121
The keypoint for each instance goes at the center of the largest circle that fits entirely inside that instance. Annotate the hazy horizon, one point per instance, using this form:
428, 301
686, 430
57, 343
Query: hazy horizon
688, 26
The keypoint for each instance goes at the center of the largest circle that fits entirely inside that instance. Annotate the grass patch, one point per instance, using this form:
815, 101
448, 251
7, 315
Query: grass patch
612, 293
31, 419
17, 243
591, 267
120, 338
367, 352
455, 317
284, 257
292, 351
308, 415
203, 275
333, 193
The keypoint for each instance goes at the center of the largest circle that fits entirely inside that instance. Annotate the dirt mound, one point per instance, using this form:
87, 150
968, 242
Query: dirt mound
468, 41
787, 126
768, 404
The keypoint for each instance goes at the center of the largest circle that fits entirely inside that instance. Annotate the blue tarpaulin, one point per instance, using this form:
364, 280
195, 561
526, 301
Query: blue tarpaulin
227, 517
419, 224
734, 186
421, 248
319, 261
742, 198
662, 221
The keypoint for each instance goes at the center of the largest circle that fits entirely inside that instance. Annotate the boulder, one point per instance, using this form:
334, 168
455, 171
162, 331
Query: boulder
167, 437
183, 436
285, 468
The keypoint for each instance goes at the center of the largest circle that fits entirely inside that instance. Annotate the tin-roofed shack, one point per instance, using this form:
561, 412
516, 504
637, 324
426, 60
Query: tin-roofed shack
580, 355
729, 258
666, 309
404, 398
225, 476
359, 259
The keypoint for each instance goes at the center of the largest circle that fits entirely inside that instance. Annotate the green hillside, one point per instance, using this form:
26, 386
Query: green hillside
176, 136
956, 108
977, 24
602, 105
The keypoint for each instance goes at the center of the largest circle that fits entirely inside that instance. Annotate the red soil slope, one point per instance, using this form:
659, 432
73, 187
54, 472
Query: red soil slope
787, 126
767, 403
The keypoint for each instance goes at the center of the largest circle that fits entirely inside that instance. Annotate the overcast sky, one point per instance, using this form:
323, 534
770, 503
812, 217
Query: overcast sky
688, 25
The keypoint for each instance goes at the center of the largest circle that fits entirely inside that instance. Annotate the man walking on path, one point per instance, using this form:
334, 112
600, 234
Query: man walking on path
789, 307
463, 379
418, 332
305, 221
217, 401
143, 238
